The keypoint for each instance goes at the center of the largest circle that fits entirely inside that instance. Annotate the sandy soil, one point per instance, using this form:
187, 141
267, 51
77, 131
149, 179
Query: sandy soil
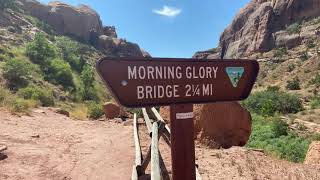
47, 145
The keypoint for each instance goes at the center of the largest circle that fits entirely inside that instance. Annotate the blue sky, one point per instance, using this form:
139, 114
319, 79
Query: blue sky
167, 28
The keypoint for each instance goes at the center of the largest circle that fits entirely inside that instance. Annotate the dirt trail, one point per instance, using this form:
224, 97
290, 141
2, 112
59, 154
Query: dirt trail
47, 145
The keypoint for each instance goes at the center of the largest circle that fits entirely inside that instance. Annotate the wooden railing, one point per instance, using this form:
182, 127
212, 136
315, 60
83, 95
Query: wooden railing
157, 128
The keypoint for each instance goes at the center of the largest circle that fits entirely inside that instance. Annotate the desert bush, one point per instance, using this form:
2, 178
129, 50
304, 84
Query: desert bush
311, 44
293, 84
315, 102
316, 80
41, 51
5, 97
291, 67
17, 72
59, 72
95, 111
88, 91
280, 52
279, 127
44, 96
271, 101
294, 28
71, 52
304, 56
20, 105
276, 139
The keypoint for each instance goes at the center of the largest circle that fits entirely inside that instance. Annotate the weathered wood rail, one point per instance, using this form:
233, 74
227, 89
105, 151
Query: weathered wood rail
157, 128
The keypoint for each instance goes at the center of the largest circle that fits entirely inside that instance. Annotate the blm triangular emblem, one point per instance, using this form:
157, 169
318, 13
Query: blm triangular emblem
235, 74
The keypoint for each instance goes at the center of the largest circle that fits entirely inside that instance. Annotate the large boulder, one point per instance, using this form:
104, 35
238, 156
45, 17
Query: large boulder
253, 28
111, 110
67, 20
313, 154
227, 124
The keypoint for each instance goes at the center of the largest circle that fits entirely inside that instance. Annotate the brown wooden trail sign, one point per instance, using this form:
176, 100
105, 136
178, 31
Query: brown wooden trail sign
141, 82
137, 82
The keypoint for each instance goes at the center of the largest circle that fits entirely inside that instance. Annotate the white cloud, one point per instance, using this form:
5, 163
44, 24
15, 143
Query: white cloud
168, 11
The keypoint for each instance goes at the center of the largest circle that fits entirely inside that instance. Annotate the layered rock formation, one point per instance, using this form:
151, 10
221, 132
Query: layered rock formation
260, 27
84, 24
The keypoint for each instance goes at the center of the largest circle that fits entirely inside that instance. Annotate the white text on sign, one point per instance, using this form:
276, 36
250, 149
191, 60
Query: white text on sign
172, 73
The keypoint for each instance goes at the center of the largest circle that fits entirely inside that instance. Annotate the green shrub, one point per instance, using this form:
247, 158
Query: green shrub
22, 105
44, 96
17, 72
70, 51
95, 111
291, 67
304, 56
316, 80
315, 102
59, 72
272, 100
280, 52
40, 51
293, 84
279, 127
88, 91
276, 139
311, 44
294, 28
5, 96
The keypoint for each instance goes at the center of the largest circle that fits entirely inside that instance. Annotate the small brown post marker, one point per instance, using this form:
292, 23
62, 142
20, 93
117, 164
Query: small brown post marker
182, 139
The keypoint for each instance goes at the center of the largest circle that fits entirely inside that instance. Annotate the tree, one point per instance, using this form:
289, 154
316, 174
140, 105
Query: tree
40, 51
17, 72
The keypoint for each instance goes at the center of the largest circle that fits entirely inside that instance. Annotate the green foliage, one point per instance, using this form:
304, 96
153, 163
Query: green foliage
70, 52
275, 138
44, 96
279, 127
59, 72
88, 91
44, 26
293, 84
40, 51
5, 96
294, 28
271, 101
304, 56
315, 102
280, 52
17, 72
20, 105
311, 44
291, 67
316, 80
95, 111
8, 4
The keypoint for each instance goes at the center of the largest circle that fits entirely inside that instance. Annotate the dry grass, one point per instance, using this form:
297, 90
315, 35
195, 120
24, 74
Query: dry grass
79, 112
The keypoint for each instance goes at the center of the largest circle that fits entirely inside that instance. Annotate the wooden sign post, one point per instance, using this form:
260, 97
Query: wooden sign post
179, 83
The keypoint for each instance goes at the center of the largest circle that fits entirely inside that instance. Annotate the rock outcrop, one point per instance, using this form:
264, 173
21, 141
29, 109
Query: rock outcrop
225, 124
313, 154
256, 27
84, 24
111, 110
